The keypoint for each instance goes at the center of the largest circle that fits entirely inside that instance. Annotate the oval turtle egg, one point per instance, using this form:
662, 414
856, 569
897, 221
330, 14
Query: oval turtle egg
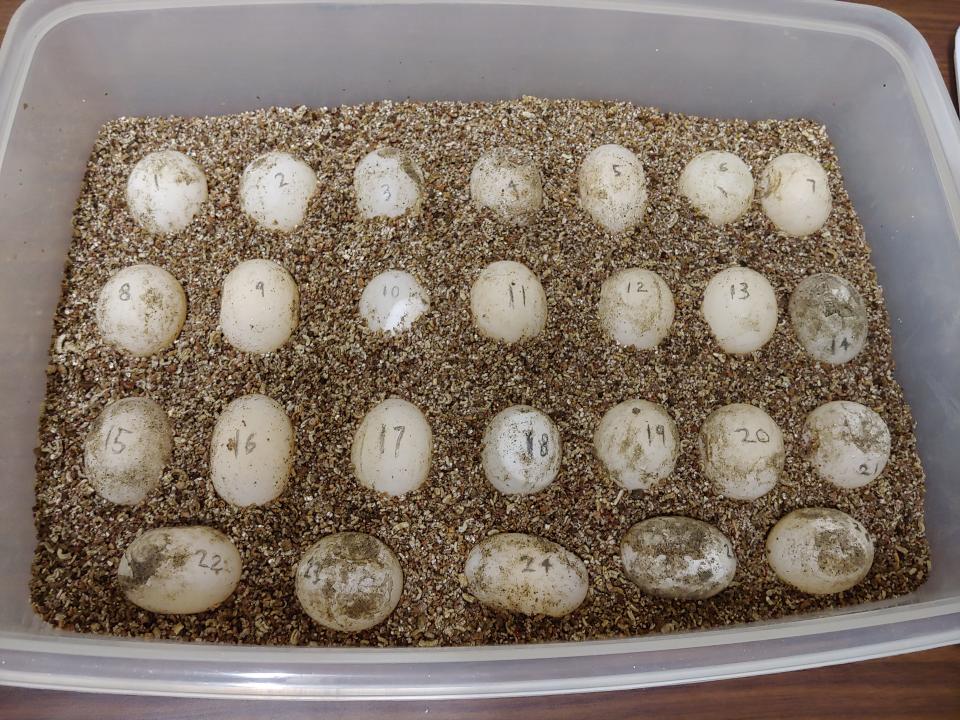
718, 185
259, 306
507, 183
636, 308
613, 188
637, 443
179, 570
349, 581
795, 194
141, 309
393, 301
741, 451
251, 453
521, 451
525, 574
740, 307
678, 557
392, 448
127, 448
508, 303
164, 191
829, 317
388, 183
819, 551
275, 189
848, 443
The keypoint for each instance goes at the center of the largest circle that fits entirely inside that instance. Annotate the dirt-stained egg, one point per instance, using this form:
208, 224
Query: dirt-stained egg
525, 574
636, 308
392, 301
252, 450
820, 551
275, 190
829, 318
349, 581
613, 188
740, 307
719, 185
141, 310
741, 451
847, 443
508, 303
392, 448
795, 194
505, 181
165, 191
521, 451
259, 306
637, 443
179, 570
388, 183
678, 557
126, 450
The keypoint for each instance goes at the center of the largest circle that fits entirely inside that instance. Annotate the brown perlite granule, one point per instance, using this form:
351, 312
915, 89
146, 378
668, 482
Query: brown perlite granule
333, 370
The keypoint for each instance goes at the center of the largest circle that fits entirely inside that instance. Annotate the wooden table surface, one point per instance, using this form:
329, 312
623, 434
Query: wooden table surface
919, 685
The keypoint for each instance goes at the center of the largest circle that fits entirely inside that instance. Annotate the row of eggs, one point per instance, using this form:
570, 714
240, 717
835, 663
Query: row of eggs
142, 308
253, 446
352, 581
166, 189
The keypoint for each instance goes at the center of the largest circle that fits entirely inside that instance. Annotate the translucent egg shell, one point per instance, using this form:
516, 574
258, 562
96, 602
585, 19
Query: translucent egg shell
141, 310
259, 306
636, 308
847, 443
507, 183
275, 190
392, 448
392, 301
637, 443
795, 194
388, 183
613, 188
165, 191
508, 302
740, 307
741, 451
521, 451
719, 185
829, 318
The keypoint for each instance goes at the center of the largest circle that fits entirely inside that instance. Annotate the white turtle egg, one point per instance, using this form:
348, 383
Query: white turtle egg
719, 185
349, 581
259, 306
795, 194
741, 451
251, 453
508, 302
393, 301
127, 448
637, 443
388, 183
141, 309
525, 574
678, 557
613, 188
179, 570
847, 443
392, 448
829, 317
820, 551
507, 183
636, 308
521, 451
275, 189
164, 191
740, 307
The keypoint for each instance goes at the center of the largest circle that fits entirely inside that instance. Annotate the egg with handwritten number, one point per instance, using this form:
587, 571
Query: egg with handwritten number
847, 443
392, 448
388, 183
741, 451
795, 194
252, 450
829, 318
349, 581
165, 191
637, 443
259, 306
740, 307
179, 570
275, 190
508, 183
636, 308
820, 551
525, 574
141, 310
508, 303
127, 448
613, 188
392, 301
719, 185
521, 451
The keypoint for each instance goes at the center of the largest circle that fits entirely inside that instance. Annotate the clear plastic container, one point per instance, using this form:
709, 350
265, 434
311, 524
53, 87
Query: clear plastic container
66, 67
